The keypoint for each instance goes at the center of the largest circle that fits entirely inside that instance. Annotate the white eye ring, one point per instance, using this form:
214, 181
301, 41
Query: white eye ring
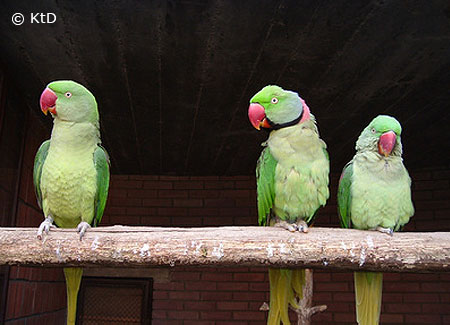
373, 130
274, 100
68, 94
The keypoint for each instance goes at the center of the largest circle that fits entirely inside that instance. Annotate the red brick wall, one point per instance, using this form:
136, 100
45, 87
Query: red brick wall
36, 295
228, 295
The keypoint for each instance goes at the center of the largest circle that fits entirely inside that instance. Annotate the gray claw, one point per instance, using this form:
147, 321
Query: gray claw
82, 227
45, 227
302, 226
388, 231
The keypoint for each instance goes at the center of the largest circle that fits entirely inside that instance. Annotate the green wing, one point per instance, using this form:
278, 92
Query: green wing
344, 195
265, 185
101, 163
39, 160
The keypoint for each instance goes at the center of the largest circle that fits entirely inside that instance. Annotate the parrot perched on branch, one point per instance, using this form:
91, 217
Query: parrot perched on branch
375, 194
71, 170
292, 181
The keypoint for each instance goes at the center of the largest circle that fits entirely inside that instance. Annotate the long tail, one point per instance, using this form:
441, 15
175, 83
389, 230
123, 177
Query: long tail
73, 280
285, 287
368, 290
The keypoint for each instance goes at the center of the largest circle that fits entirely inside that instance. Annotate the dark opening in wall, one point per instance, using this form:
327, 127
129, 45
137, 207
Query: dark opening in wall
115, 301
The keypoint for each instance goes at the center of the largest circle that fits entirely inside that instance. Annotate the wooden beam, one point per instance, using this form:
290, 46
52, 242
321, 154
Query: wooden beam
321, 248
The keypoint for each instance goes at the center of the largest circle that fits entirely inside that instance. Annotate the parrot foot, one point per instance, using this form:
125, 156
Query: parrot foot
45, 227
82, 227
302, 226
388, 231
292, 227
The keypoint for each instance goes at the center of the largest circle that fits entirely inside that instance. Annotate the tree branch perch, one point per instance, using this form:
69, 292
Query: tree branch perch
321, 248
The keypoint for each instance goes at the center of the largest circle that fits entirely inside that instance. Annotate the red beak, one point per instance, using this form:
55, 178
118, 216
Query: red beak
257, 116
386, 143
48, 101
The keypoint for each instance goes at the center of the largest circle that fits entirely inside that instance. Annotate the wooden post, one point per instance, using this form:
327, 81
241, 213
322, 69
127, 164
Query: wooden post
306, 310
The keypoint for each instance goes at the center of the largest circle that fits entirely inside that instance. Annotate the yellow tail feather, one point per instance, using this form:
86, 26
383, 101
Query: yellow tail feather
368, 290
285, 287
73, 279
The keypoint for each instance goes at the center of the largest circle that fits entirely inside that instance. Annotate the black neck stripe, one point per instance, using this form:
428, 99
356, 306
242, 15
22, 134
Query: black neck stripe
276, 126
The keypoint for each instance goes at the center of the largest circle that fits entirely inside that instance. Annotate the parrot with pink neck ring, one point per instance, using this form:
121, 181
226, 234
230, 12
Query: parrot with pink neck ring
292, 181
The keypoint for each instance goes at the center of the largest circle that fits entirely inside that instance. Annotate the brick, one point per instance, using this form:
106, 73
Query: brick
117, 192
184, 295
120, 202
422, 319
237, 212
345, 317
198, 322
391, 318
217, 276
143, 177
219, 202
402, 308
158, 185
249, 296
156, 221
188, 185
200, 285
441, 174
218, 221
393, 297
190, 203
215, 295
160, 295
182, 221
418, 277
185, 276
248, 184
172, 211
248, 315
235, 193
125, 220
157, 202
126, 184
199, 305
167, 305
400, 287
172, 194
436, 287
232, 286
140, 211
182, 314
259, 286
219, 184
173, 178
141, 193
232, 305
171, 286
332, 286
436, 308
216, 315
204, 178
249, 277
204, 194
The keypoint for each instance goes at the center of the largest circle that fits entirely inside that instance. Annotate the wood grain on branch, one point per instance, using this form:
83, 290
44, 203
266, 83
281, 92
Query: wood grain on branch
321, 248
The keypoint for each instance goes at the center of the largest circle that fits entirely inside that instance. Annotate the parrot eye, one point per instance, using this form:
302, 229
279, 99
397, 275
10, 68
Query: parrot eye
68, 94
274, 100
373, 130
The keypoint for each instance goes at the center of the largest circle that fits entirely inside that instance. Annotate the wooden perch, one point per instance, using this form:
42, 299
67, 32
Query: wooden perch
321, 248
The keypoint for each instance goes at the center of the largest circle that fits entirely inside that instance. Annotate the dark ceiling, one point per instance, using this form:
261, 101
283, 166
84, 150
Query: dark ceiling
173, 78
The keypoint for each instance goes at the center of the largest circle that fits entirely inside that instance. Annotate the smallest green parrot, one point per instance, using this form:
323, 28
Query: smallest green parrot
375, 194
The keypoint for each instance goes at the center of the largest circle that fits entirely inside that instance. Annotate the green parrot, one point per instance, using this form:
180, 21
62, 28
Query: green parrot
71, 170
375, 194
292, 181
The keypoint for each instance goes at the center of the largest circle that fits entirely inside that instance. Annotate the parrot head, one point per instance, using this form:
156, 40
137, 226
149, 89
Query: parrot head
69, 101
382, 135
273, 108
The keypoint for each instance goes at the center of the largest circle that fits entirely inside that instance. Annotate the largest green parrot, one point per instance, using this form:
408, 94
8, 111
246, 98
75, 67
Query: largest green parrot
375, 194
71, 170
292, 181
